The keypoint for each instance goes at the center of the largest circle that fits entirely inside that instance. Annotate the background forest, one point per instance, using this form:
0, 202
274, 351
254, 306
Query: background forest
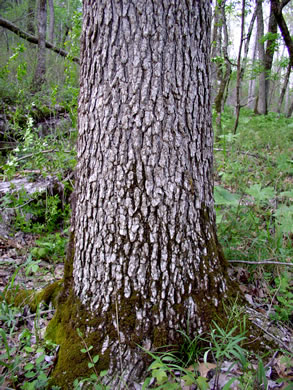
252, 90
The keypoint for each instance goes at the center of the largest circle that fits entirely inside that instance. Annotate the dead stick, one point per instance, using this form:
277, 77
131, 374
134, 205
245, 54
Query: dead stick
261, 262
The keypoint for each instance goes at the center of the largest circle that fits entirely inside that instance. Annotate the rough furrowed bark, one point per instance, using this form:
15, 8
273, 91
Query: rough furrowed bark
144, 260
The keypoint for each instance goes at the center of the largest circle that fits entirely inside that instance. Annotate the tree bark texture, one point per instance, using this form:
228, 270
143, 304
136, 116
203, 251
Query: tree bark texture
146, 259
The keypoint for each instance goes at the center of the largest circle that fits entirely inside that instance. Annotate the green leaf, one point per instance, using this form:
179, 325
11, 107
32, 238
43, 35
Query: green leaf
40, 359
29, 366
146, 383
103, 373
261, 194
188, 379
202, 383
229, 383
160, 375
30, 374
96, 358
289, 387
90, 365
287, 194
157, 364
28, 349
225, 198
42, 377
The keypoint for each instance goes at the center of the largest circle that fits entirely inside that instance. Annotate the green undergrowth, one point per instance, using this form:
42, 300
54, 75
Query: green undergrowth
25, 358
253, 197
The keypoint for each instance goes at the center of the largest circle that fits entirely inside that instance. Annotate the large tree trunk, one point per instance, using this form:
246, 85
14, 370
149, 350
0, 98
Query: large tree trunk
144, 260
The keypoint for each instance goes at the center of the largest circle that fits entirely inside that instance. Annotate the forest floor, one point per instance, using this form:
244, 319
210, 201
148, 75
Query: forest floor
253, 196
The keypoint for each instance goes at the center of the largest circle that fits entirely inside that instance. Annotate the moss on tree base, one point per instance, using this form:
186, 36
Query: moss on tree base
32, 298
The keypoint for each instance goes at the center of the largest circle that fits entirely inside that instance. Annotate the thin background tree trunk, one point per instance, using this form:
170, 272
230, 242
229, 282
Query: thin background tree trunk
284, 88
262, 100
52, 21
290, 110
225, 72
31, 7
251, 88
40, 72
239, 70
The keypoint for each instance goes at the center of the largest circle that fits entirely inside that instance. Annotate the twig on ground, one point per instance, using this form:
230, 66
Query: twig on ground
34, 154
261, 262
247, 154
272, 336
41, 313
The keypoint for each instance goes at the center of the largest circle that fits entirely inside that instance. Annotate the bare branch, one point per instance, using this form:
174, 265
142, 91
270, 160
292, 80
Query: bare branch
30, 38
261, 262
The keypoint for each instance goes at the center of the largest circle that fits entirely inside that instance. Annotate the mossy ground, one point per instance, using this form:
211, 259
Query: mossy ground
32, 298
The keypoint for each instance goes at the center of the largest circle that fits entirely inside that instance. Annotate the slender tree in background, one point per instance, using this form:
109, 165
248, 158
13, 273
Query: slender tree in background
284, 88
270, 50
31, 6
244, 60
290, 110
52, 21
224, 70
277, 9
239, 70
216, 45
144, 259
252, 81
261, 101
40, 72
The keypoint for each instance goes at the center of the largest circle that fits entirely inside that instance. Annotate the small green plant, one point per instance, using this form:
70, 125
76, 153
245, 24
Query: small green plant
21, 356
168, 371
51, 246
283, 292
93, 381
225, 344
36, 213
